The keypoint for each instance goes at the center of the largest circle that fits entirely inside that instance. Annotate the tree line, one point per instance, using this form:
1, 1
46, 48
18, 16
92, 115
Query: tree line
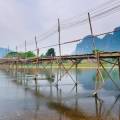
30, 54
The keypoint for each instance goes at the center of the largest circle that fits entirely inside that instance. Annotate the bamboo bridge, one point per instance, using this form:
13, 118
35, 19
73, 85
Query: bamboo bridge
13, 64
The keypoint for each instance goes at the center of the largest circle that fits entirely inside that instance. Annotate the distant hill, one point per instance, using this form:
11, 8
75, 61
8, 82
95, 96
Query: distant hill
110, 42
3, 52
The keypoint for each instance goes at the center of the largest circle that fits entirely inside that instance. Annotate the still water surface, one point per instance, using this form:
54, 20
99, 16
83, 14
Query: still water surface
21, 100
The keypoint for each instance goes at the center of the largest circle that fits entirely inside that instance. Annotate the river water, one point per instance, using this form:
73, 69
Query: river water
24, 100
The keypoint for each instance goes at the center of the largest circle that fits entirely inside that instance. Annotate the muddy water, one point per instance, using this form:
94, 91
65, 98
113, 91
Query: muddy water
22, 99
19, 103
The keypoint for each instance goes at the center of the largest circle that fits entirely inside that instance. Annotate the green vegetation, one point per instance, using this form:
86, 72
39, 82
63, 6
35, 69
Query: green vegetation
97, 50
50, 52
28, 54
11, 54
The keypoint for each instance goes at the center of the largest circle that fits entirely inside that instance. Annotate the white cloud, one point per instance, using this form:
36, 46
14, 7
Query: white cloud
20, 20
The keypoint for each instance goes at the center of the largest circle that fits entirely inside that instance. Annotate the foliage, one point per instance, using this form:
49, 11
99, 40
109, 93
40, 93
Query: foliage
50, 52
97, 50
21, 54
27, 54
11, 54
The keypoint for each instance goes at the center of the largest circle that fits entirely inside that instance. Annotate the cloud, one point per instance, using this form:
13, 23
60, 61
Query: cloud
20, 20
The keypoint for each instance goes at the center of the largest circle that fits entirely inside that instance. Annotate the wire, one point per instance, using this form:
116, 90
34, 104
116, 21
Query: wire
77, 40
95, 14
94, 10
98, 15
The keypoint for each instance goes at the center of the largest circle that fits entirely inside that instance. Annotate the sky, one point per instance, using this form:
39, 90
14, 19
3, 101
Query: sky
21, 20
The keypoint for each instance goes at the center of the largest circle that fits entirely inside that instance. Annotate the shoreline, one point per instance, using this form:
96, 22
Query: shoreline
66, 66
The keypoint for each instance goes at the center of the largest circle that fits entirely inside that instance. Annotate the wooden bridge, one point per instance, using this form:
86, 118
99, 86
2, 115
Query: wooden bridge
100, 58
100, 55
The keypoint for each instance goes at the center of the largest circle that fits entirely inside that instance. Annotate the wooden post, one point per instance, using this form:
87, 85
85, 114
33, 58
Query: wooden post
16, 62
36, 87
37, 61
91, 30
51, 90
57, 77
76, 98
119, 66
98, 72
8, 49
98, 63
76, 65
21, 71
59, 43
96, 104
16, 69
51, 73
25, 61
37, 49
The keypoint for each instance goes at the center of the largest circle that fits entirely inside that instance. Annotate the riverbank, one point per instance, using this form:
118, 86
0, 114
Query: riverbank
63, 65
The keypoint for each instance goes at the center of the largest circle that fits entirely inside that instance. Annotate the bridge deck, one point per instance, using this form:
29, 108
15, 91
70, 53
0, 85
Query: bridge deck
66, 57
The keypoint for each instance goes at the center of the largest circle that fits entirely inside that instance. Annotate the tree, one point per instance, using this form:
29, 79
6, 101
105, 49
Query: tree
11, 54
21, 54
50, 52
29, 54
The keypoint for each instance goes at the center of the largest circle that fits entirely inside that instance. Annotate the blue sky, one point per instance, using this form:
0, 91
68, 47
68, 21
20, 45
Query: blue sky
21, 20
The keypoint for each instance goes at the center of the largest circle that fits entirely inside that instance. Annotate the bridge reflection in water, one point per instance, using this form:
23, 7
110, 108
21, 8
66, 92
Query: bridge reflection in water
90, 99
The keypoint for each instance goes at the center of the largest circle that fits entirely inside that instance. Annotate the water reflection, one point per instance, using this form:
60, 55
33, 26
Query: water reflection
77, 112
90, 99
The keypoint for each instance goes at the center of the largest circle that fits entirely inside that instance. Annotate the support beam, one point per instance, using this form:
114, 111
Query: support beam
119, 66
109, 76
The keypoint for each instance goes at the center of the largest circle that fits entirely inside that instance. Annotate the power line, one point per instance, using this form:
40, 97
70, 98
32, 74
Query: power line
80, 39
93, 10
95, 14
85, 20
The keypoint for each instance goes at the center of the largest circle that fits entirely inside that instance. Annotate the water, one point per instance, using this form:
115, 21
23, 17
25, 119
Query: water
23, 100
